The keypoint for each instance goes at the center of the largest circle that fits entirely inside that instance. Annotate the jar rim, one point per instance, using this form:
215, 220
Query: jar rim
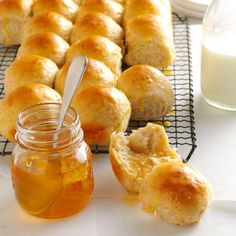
31, 108
36, 126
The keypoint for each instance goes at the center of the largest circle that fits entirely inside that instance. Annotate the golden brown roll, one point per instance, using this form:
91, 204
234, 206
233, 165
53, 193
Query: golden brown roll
102, 110
20, 99
99, 48
107, 7
149, 41
135, 8
48, 22
45, 44
96, 73
31, 69
97, 24
176, 193
67, 8
133, 157
13, 15
148, 90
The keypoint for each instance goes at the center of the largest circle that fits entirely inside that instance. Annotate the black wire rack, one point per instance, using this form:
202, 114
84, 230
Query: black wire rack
179, 124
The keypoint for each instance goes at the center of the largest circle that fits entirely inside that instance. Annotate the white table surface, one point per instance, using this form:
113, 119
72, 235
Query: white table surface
108, 215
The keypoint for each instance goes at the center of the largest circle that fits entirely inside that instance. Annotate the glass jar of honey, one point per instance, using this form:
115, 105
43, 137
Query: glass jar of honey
51, 170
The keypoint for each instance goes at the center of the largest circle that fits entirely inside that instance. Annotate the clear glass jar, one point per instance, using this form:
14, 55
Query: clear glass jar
51, 170
218, 63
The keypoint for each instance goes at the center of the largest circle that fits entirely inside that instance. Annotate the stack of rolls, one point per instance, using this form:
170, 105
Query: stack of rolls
44, 38
45, 55
148, 31
97, 34
59, 30
47, 33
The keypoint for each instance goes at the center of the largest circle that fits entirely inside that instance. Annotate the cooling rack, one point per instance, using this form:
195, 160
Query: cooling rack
179, 124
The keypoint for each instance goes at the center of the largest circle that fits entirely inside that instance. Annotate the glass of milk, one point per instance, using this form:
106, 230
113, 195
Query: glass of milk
218, 62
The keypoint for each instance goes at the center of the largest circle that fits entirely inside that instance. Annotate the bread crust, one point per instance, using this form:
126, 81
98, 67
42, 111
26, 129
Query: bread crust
17, 8
135, 8
67, 8
45, 44
97, 24
42, 71
102, 110
148, 90
133, 157
13, 15
48, 22
149, 41
96, 73
20, 99
176, 193
99, 48
110, 8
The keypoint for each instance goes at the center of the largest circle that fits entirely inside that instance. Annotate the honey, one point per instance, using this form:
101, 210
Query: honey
168, 72
131, 199
52, 177
171, 113
166, 124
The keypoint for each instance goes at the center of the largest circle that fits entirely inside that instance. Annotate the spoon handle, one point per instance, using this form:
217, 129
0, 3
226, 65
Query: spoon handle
74, 76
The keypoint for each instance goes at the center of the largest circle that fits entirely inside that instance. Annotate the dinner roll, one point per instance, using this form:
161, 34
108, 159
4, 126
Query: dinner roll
176, 193
20, 99
67, 8
148, 90
46, 44
149, 41
13, 15
96, 73
102, 111
48, 22
133, 157
99, 48
42, 71
135, 8
108, 7
97, 24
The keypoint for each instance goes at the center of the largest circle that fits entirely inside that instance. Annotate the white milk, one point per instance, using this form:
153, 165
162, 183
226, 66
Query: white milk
218, 69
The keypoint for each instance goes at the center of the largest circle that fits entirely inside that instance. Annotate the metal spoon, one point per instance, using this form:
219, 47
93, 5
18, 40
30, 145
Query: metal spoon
74, 76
